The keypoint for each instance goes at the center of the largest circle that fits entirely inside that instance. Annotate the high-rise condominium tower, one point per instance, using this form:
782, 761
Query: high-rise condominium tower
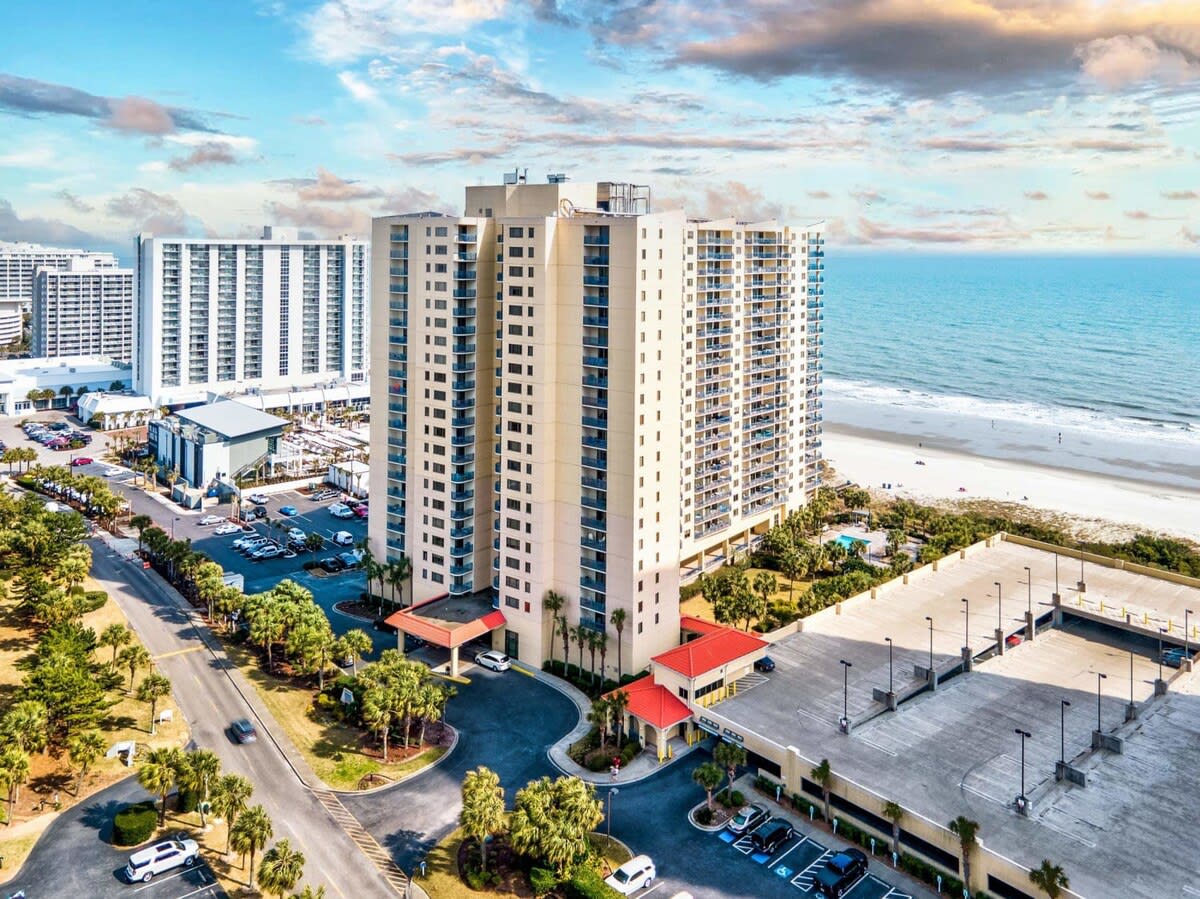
83, 310
575, 394
217, 315
19, 263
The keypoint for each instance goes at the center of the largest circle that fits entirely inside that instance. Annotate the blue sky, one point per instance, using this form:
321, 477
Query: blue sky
955, 124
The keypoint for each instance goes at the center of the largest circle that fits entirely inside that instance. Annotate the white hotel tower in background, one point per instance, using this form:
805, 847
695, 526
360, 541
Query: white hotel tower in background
573, 393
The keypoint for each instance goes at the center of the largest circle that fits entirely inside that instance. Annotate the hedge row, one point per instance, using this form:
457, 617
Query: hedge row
134, 824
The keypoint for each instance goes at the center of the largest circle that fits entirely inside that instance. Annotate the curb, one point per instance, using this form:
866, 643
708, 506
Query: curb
706, 828
407, 777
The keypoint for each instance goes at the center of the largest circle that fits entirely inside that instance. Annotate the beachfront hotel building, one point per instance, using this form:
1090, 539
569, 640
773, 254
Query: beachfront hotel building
222, 315
576, 394
84, 309
19, 264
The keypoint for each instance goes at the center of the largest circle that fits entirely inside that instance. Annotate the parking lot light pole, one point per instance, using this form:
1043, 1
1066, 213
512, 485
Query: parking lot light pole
1024, 734
608, 824
1029, 591
846, 666
891, 689
173, 520
966, 623
1187, 650
999, 605
930, 620
1100, 677
1062, 730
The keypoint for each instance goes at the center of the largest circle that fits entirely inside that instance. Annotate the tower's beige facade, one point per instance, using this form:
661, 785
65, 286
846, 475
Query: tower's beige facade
576, 395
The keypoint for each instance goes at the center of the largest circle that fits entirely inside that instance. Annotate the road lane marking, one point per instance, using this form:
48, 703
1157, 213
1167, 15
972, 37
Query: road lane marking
179, 652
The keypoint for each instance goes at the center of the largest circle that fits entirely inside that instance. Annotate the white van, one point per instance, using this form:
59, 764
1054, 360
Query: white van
161, 857
341, 510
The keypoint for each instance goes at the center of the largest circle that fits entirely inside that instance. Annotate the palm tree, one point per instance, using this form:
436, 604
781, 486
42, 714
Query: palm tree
823, 775
792, 563
14, 770
157, 775
230, 798
84, 749
134, 657
309, 893
730, 757
580, 635
140, 523
709, 777
26, 725
199, 771
617, 620
153, 687
379, 712
565, 632
593, 643
600, 716
1050, 879
553, 603
281, 869
894, 812
618, 701
313, 543
765, 584
965, 829
482, 813
250, 834
355, 644
403, 569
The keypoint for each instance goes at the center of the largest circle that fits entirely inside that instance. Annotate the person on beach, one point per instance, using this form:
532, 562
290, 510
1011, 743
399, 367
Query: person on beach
1060, 438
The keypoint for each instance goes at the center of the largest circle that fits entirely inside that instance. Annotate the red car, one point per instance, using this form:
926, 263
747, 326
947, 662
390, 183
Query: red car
81, 460
361, 511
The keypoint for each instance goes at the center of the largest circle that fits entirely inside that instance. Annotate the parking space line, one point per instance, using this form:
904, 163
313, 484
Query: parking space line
649, 891
803, 840
157, 881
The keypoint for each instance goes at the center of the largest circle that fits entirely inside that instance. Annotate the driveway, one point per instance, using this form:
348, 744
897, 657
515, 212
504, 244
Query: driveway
74, 857
506, 721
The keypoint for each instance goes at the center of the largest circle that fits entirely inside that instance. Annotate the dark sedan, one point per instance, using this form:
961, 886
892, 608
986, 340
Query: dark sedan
243, 731
841, 873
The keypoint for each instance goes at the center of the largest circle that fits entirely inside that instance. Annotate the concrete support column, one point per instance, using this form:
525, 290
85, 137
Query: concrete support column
1030, 630
1160, 687
968, 661
1000, 641
454, 661
1056, 600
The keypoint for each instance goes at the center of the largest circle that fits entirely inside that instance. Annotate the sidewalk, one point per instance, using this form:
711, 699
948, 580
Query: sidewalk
642, 766
880, 864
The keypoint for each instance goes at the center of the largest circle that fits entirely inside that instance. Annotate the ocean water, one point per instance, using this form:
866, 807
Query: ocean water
1084, 362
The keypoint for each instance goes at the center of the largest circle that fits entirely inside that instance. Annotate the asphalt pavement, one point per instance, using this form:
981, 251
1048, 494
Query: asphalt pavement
75, 858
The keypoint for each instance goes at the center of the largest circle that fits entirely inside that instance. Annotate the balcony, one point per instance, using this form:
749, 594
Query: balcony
595, 442
462, 477
595, 240
462, 458
397, 458
595, 260
461, 570
593, 524
593, 483
467, 237
463, 386
463, 349
596, 361
462, 550
463, 331
463, 440
594, 462
597, 544
465, 293
466, 256
596, 321
461, 496
593, 381
593, 564
462, 513
598, 503
463, 421
460, 533
598, 342
598, 402
590, 583
595, 280
465, 311
591, 421
464, 274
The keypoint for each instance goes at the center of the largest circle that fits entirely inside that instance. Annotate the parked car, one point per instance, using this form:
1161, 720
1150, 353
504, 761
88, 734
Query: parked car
349, 560
841, 873
243, 731
257, 499
749, 818
231, 528
1174, 657
343, 538
770, 836
81, 460
210, 519
493, 659
253, 545
341, 510
1013, 640
270, 551
333, 564
636, 874
321, 495
296, 534
362, 511
161, 857
766, 664
287, 510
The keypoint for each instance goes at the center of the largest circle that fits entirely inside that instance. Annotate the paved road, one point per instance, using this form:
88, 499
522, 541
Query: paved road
74, 858
505, 721
210, 701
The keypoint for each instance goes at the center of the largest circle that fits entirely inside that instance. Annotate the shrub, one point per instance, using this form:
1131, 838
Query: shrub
187, 800
764, 784
704, 816
803, 804
134, 824
737, 800
92, 600
585, 883
542, 881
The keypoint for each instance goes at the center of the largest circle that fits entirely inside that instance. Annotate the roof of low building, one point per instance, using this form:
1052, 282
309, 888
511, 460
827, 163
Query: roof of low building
698, 625
709, 652
99, 402
230, 419
654, 703
448, 621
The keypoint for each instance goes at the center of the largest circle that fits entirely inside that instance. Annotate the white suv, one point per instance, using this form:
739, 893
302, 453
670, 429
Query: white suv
160, 857
632, 876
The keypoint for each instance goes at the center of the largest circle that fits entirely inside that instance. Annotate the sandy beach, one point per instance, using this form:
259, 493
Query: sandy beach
1097, 506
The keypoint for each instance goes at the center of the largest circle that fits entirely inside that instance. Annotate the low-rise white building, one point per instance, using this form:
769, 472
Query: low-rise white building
113, 411
352, 477
59, 381
218, 441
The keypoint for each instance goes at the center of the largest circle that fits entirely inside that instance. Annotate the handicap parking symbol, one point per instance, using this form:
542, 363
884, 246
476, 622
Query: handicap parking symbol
783, 871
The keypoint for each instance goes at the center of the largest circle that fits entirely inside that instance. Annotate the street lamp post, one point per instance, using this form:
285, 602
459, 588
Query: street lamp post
999, 605
1029, 590
1056, 575
1062, 731
1100, 677
1082, 582
930, 620
846, 666
966, 623
1024, 735
891, 689
1186, 647
1160, 685
173, 520
608, 825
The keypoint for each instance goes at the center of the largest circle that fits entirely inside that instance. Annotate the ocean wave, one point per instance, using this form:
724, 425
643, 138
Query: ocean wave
1055, 417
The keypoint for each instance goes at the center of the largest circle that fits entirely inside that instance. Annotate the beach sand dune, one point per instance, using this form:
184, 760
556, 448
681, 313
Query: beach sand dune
1094, 506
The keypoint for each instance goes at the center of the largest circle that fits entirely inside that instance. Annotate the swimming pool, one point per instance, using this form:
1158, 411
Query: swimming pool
847, 541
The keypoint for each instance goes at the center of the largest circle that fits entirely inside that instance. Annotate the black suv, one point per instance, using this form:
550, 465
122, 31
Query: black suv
841, 873
771, 836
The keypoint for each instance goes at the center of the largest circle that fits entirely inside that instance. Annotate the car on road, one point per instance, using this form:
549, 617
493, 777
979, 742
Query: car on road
341, 510
226, 529
749, 818
333, 564
343, 538
841, 873
81, 460
493, 659
287, 510
113, 472
766, 664
770, 836
210, 519
243, 731
161, 857
636, 874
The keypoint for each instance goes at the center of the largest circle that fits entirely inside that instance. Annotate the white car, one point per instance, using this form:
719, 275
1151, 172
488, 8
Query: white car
270, 551
257, 498
341, 510
632, 876
227, 529
296, 534
210, 519
494, 659
160, 857
113, 472
343, 538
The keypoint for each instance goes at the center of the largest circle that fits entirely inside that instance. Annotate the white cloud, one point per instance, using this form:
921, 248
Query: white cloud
197, 139
357, 88
1117, 62
152, 168
344, 30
